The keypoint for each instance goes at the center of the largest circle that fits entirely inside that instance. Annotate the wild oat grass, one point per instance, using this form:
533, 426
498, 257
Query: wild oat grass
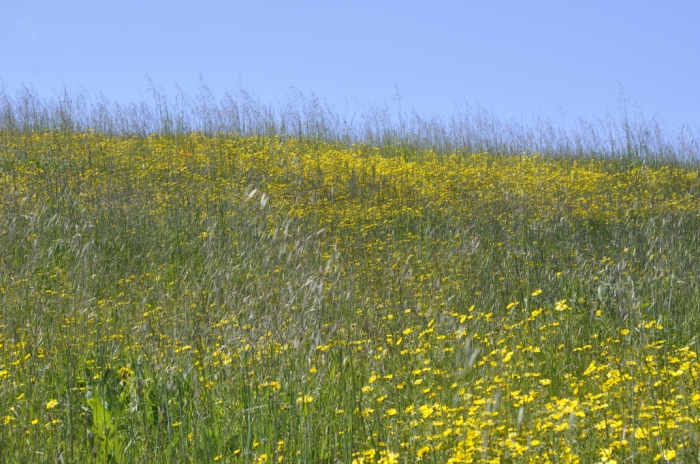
232, 282
625, 133
204, 298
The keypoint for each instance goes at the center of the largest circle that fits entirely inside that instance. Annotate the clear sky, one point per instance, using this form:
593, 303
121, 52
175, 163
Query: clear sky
548, 58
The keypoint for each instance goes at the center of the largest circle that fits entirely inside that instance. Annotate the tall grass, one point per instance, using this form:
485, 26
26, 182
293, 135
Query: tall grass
305, 290
472, 129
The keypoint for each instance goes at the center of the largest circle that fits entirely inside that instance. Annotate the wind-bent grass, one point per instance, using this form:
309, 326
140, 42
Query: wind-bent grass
193, 298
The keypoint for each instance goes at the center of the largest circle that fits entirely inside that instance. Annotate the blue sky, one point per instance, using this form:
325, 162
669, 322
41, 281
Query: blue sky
517, 59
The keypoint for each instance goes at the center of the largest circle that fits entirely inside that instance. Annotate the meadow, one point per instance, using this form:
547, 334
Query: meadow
203, 296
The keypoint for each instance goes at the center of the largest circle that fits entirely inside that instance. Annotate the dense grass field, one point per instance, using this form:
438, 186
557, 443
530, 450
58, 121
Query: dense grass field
220, 298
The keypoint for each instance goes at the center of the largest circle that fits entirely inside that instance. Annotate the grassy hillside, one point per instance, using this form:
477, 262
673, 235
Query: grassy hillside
204, 298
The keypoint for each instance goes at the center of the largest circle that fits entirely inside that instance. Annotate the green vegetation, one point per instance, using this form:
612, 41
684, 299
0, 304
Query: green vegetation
191, 297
